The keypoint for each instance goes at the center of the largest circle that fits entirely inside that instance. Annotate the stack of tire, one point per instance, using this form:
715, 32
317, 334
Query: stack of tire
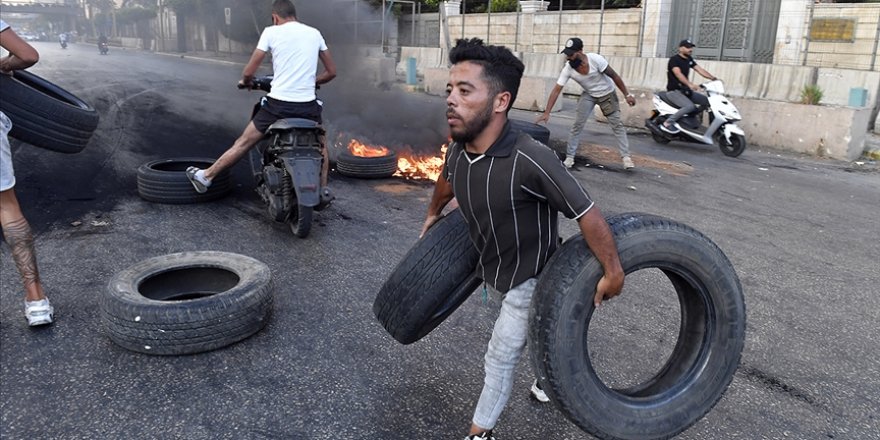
427, 286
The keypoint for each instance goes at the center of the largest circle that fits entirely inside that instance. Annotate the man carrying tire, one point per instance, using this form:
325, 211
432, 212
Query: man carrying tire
296, 49
16, 229
510, 189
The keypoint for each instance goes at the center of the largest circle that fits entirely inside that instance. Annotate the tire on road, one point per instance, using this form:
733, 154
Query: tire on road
539, 133
188, 302
379, 167
702, 363
165, 181
45, 115
431, 281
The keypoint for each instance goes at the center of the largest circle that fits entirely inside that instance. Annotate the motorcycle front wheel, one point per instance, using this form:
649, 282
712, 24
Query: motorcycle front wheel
301, 220
734, 148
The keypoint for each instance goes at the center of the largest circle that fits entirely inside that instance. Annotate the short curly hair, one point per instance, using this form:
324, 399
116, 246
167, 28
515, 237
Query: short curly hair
501, 68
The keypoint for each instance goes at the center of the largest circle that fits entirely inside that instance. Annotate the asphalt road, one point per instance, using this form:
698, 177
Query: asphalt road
801, 232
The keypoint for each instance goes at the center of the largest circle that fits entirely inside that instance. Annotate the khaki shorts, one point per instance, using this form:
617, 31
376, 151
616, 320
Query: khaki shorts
7, 176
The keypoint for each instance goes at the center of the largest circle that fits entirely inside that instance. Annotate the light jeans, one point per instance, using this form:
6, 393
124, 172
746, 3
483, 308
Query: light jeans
586, 103
505, 348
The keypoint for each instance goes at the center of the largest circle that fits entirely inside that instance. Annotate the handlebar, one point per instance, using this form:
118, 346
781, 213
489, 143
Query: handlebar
263, 83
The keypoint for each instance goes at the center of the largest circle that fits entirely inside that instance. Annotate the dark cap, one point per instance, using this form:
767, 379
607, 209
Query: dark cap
573, 45
686, 43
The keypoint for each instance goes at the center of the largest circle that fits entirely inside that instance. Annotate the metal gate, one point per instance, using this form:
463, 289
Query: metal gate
728, 30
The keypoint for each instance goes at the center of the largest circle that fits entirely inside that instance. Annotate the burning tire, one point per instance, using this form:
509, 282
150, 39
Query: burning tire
539, 133
432, 280
164, 181
378, 167
45, 115
700, 367
188, 302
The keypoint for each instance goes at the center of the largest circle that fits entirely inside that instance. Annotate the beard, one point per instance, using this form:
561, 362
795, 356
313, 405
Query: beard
472, 128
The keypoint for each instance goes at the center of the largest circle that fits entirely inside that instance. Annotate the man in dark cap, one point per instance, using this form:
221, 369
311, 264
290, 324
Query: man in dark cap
592, 72
683, 93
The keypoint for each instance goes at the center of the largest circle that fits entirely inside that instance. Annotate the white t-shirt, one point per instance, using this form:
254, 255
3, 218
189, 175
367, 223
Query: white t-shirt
595, 82
294, 47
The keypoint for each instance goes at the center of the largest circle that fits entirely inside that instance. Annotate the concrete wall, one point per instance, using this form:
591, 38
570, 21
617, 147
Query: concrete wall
541, 31
858, 54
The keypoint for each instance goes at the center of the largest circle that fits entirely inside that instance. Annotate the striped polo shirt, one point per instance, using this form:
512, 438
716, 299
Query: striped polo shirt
510, 197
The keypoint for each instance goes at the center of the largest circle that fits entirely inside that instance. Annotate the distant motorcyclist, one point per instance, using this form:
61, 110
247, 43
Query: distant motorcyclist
296, 49
683, 93
102, 43
62, 38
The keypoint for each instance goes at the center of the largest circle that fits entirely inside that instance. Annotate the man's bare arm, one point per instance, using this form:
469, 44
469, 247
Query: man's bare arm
329, 68
441, 196
601, 242
247, 75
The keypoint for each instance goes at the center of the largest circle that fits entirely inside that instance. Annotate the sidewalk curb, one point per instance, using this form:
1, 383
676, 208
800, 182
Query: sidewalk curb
197, 58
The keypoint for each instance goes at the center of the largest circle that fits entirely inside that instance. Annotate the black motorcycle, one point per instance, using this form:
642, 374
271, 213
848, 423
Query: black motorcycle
103, 48
286, 165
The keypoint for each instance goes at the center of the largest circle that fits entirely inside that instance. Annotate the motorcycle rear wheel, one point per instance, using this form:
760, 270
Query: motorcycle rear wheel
734, 148
301, 220
659, 138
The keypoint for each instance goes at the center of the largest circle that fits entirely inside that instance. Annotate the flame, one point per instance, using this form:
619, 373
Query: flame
409, 164
359, 149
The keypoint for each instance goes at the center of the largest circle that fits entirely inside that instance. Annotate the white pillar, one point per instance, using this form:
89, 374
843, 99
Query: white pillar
529, 6
452, 7
655, 38
791, 32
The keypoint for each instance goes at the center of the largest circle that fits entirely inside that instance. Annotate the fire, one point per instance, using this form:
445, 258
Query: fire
420, 167
410, 165
359, 149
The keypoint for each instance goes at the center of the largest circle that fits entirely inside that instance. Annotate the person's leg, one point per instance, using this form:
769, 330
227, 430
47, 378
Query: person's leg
505, 348
684, 104
584, 110
619, 130
239, 148
700, 99
20, 239
201, 179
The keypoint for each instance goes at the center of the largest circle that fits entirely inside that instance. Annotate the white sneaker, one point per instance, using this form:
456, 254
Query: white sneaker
538, 393
568, 162
199, 183
628, 163
484, 436
39, 312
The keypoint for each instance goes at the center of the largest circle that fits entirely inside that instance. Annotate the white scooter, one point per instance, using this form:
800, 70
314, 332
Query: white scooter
722, 129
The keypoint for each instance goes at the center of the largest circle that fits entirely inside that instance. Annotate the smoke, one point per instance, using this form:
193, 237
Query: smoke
353, 105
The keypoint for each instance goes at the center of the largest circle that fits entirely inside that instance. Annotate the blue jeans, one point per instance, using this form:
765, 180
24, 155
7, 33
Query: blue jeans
505, 348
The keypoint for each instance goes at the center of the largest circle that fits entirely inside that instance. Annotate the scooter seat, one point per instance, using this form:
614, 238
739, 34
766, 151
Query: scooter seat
665, 98
293, 124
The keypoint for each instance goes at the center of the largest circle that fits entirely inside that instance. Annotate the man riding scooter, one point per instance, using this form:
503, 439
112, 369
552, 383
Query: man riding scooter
683, 93
102, 44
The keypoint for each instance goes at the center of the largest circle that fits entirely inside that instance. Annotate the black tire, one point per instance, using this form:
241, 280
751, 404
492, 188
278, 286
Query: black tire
702, 363
539, 133
733, 149
164, 181
45, 115
380, 167
301, 221
431, 281
659, 138
187, 302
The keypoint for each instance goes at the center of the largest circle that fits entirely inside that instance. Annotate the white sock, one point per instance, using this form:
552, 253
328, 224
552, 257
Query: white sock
200, 176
